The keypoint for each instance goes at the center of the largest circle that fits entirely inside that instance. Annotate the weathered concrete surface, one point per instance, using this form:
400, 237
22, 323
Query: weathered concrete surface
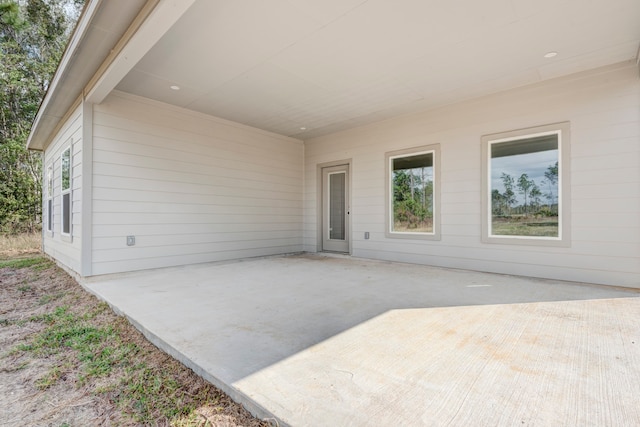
325, 340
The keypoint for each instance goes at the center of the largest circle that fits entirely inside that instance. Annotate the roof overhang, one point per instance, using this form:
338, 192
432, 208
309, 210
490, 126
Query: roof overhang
310, 68
109, 39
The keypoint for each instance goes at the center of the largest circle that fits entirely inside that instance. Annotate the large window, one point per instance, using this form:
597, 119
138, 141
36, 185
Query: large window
65, 184
50, 199
525, 197
413, 193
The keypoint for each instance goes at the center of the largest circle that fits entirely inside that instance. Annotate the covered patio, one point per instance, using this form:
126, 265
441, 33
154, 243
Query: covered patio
318, 339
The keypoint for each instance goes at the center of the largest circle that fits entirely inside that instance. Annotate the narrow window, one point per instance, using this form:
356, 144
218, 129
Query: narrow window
65, 184
413, 192
50, 198
525, 197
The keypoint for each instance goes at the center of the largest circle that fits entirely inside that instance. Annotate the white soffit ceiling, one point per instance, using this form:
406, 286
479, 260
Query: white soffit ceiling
328, 65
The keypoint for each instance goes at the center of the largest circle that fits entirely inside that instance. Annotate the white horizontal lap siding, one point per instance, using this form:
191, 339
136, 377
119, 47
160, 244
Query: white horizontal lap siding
602, 108
191, 188
66, 251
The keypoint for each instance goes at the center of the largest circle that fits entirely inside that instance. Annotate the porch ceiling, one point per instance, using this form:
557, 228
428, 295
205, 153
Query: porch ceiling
307, 68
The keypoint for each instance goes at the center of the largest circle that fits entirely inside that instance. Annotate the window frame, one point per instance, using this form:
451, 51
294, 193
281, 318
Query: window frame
67, 191
408, 152
564, 185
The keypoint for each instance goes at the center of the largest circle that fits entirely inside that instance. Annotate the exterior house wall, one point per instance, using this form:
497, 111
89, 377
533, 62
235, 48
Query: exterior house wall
191, 188
602, 107
65, 249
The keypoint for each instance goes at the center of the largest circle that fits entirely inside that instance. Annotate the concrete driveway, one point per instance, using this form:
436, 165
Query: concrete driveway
318, 340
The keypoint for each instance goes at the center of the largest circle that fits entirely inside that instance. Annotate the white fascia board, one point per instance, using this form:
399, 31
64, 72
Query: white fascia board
131, 49
63, 67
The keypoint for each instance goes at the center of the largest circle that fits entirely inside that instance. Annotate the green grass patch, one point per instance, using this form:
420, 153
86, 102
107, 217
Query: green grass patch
46, 299
148, 391
517, 226
98, 350
38, 263
49, 379
143, 391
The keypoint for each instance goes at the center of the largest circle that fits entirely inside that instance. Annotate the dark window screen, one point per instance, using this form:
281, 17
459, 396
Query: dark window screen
66, 213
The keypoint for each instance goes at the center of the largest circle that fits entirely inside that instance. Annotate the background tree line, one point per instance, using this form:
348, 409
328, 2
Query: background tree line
33, 35
412, 197
504, 204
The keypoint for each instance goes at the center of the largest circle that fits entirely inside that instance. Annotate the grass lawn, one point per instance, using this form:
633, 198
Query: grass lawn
418, 227
519, 226
66, 359
12, 246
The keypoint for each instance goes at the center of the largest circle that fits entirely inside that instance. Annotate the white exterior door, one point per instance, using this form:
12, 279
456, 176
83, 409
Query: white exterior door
335, 208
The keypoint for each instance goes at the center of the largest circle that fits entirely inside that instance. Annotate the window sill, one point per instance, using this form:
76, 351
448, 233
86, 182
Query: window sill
527, 241
412, 236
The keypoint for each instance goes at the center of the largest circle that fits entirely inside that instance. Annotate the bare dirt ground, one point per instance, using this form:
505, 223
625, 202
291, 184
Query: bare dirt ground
67, 360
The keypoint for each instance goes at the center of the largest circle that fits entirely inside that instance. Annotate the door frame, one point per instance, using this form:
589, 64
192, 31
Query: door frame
319, 201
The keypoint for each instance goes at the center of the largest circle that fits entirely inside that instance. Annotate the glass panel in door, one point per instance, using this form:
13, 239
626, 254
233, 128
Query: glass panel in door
336, 206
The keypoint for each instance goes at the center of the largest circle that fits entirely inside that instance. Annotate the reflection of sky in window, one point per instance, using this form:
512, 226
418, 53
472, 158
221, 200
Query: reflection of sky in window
533, 164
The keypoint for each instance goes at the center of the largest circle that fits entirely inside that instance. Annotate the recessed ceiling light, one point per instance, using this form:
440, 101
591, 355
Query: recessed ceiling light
550, 54
303, 128
174, 87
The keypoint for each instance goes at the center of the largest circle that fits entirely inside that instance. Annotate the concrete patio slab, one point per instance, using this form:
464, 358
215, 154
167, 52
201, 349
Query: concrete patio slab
318, 340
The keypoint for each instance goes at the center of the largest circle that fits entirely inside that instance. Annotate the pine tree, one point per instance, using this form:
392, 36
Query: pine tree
33, 34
